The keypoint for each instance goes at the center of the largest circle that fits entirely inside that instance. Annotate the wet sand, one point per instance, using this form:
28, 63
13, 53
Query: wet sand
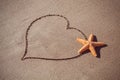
49, 38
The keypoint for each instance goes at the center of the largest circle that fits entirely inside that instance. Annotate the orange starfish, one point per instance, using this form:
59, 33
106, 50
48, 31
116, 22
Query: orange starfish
89, 44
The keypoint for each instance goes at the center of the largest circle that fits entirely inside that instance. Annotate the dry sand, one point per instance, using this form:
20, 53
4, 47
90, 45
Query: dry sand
49, 38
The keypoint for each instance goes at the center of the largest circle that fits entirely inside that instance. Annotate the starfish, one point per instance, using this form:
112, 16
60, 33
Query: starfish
89, 44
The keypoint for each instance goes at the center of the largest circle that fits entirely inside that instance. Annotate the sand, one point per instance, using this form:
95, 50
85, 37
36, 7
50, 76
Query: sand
48, 38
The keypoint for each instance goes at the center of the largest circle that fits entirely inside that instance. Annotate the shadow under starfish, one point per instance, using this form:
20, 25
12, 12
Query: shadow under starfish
98, 48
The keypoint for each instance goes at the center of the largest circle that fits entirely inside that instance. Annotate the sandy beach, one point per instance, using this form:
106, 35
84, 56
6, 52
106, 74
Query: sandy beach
49, 38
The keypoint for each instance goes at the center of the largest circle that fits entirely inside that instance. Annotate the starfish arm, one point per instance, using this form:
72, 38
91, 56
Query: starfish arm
91, 37
81, 41
92, 49
97, 44
84, 48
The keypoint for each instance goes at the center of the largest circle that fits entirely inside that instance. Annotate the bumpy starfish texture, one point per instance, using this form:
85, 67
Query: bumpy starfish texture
89, 44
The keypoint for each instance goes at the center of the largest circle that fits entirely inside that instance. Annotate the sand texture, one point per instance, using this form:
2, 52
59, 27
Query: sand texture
49, 38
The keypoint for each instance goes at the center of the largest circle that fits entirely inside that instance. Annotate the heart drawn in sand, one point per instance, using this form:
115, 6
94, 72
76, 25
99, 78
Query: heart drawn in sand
45, 44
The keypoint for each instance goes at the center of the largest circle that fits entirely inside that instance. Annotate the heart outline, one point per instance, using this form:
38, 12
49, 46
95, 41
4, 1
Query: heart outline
67, 28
